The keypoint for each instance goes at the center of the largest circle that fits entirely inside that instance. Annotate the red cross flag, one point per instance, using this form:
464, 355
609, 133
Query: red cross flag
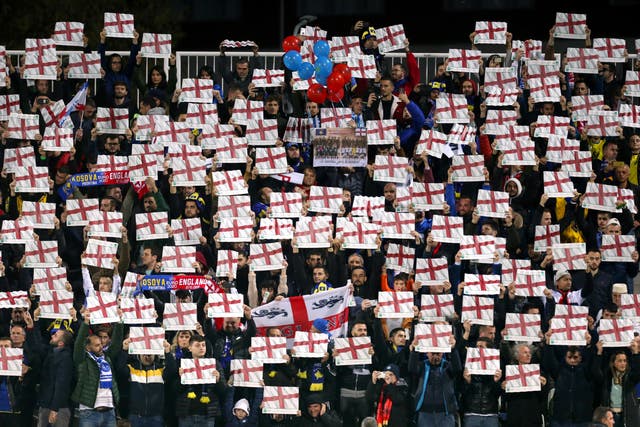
310, 344
56, 304
130, 284
601, 197
543, 80
100, 253
344, 47
362, 66
297, 129
546, 236
23, 126
530, 283
564, 311
432, 142
138, 311
68, 34
271, 160
632, 83
306, 52
167, 133
478, 310
477, 247
262, 132
427, 196
627, 196
216, 135
15, 299
551, 125
10, 362
235, 230
9, 104
532, 49
39, 214
180, 316
352, 351
152, 226
285, 205
245, 110
557, 147
198, 371
49, 279
498, 118
266, 256
436, 308
447, 229
507, 134
501, 97
468, 168
395, 305
464, 60
358, 234
629, 115
582, 60
400, 257
481, 284
269, 349
41, 254
510, 268
16, 231
155, 45
522, 327
494, 204
582, 106
490, 32
52, 114
313, 232
558, 184
227, 263
519, 152
336, 117
577, 163
103, 308
233, 44
178, 259
522, 378
201, 114
452, 108
189, 168
396, 225
142, 167
391, 169
234, 206
112, 120
108, 163
569, 256
603, 124
325, 199
299, 84
431, 271
146, 340
84, 66
461, 134
280, 400
482, 361
197, 90
433, 338
57, 139
390, 38
500, 77
630, 306
568, 331
313, 34
3, 67
232, 150
147, 149
267, 77
40, 67
570, 26
616, 332
40, 47
610, 50
618, 248
119, 25
246, 373
275, 229
105, 224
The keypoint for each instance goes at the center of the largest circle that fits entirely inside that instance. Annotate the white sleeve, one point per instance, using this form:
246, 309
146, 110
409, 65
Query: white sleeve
117, 283
87, 284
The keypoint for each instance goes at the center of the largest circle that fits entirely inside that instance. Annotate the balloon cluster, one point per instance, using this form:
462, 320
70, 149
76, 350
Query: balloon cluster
331, 78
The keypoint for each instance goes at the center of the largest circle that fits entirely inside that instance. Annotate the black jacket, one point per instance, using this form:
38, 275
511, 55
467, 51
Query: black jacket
147, 384
399, 395
329, 419
629, 401
56, 379
481, 395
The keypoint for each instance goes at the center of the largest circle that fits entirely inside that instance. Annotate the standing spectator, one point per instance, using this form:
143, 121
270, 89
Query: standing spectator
113, 66
390, 393
318, 413
241, 76
603, 417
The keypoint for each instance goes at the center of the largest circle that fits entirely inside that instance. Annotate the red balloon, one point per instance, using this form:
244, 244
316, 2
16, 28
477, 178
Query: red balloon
344, 70
335, 81
291, 43
335, 96
317, 93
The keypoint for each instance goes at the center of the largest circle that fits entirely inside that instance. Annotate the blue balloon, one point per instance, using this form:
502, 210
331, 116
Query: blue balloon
306, 70
321, 48
324, 66
321, 79
292, 60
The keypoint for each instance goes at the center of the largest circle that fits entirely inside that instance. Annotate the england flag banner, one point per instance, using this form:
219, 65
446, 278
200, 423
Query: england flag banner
344, 47
582, 60
461, 134
510, 268
309, 345
313, 232
497, 118
468, 168
235, 230
119, 25
367, 206
214, 136
100, 253
431, 271
570, 26
530, 283
178, 259
199, 115
40, 67
152, 226
225, 305
142, 167
105, 224
68, 34
433, 143
232, 150
391, 38
568, 331
490, 32
198, 371
522, 378
246, 373
40, 214
493, 204
155, 45
481, 284
16, 231
57, 139
630, 306
436, 308
269, 349
238, 206
558, 184
618, 248
148, 149
280, 400
112, 121
197, 90
629, 116
325, 199
482, 361
477, 247
396, 225
32, 180
275, 229
362, 67
352, 351
427, 196
262, 132
557, 146
400, 257
632, 83
577, 164
11, 362
41, 254
52, 279
616, 332
146, 340
433, 338
245, 110
564, 311
464, 60
266, 256
179, 316
56, 304
228, 183
447, 229
84, 66
285, 205
9, 104
227, 265
546, 236
522, 327
478, 310
103, 308
391, 169
551, 125
569, 256
582, 106
381, 132
267, 78
610, 49
15, 299
601, 197
452, 108
395, 305
138, 311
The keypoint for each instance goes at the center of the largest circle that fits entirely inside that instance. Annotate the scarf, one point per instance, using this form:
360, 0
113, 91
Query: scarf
563, 297
106, 376
383, 412
227, 353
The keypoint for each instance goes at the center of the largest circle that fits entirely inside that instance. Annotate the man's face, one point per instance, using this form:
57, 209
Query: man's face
487, 230
190, 209
354, 261
356, 105
312, 108
593, 260
17, 315
116, 193
581, 89
467, 88
616, 298
390, 192
602, 221
148, 259
242, 68
89, 111
464, 206
105, 284
358, 277
17, 336
293, 152
613, 229
622, 173
60, 178
547, 109
397, 73
399, 339
524, 355
150, 204
106, 205
56, 337
399, 285
116, 64
610, 152
573, 359
359, 330
434, 358
95, 346
319, 275
609, 420
112, 145
546, 218
147, 359
272, 107
314, 410
120, 91
309, 177
386, 87
634, 143
564, 283
231, 324
314, 260
198, 349
489, 332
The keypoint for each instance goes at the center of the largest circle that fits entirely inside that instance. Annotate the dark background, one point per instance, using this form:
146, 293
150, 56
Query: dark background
202, 24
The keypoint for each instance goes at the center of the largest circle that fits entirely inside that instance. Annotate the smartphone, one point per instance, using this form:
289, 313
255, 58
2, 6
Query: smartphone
43, 101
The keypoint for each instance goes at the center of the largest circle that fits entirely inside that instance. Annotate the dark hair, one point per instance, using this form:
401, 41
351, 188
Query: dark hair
394, 331
271, 284
611, 307
149, 101
113, 56
66, 338
155, 250
163, 75
196, 338
401, 276
600, 413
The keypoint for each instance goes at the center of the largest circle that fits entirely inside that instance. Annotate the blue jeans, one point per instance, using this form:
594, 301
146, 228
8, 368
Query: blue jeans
436, 419
196, 421
148, 421
478, 421
91, 418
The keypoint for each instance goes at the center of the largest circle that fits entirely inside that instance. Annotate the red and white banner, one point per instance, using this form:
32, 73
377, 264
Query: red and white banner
108, 163
138, 311
461, 134
262, 132
507, 134
627, 196
464, 60
145, 125
152, 226
227, 264
280, 400
197, 90
557, 147
232, 150
522, 378
238, 206
481, 284
271, 160
400, 258
226, 183
201, 114
189, 166
15, 299
391, 169
103, 308
245, 110
309, 344
275, 229
246, 373
477, 247
84, 66
490, 32
142, 167
180, 316
40, 215
23, 126
494, 204
577, 163
395, 305
632, 83
357, 233
452, 108
431, 271
49, 279
352, 351
610, 49
432, 142
546, 236
468, 168
630, 306
105, 224
390, 38
603, 124
56, 304
9, 104
582, 106
119, 25
313, 232
520, 152
68, 34
582, 61
146, 340
551, 125
267, 78
522, 327
169, 133
570, 26
381, 132
616, 332
269, 349
601, 197
100, 253
396, 225
198, 371
436, 308
313, 34
235, 230
618, 248
502, 97
362, 66
112, 120
285, 205
510, 268
530, 283
629, 116
558, 184
57, 139
498, 118
178, 259
482, 361
568, 331
478, 310
564, 311
447, 229
433, 338
266, 256
569, 256
325, 199
16, 231
426, 197
299, 84
155, 45
367, 206
344, 47
40, 67
215, 136
336, 117
41, 254
11, 362
40, 47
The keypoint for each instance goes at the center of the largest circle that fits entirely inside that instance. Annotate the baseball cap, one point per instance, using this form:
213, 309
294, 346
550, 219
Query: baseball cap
392, 367
560, 274
613, 221
436, 85
292, 144
196, 198
619, 288
368, 33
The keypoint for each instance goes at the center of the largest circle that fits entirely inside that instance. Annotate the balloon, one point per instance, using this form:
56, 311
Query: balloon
344, 70
306, 70
323, 67
321, 49
335, 81
291, 43
292, 60
335, 96
321, 79
317, 93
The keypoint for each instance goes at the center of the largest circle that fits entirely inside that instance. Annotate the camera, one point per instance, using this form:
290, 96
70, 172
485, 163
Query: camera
43, 101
